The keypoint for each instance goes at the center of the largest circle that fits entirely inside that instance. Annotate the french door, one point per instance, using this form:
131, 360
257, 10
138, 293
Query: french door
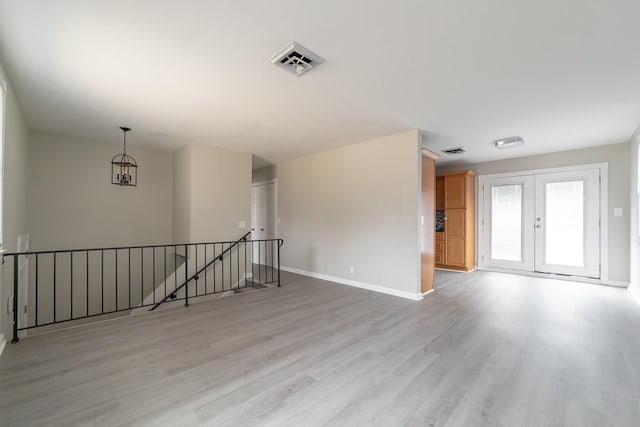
546, 222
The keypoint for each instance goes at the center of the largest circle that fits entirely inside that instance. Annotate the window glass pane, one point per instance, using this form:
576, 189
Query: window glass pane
506, 222
564, 228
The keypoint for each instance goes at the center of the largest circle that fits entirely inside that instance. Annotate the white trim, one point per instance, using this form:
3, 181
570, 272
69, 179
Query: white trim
356, 284
457, 271
614, 283
428, 292
604, 216
600, 165
3, 343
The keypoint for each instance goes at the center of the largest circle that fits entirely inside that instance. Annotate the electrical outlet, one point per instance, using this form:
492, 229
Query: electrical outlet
352, 270
242, 224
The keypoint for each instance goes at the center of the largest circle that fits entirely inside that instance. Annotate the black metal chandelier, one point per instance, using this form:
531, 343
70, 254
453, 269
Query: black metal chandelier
124, 168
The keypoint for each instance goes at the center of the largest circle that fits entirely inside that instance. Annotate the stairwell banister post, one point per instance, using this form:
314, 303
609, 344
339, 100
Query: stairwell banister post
186, 276
15, 299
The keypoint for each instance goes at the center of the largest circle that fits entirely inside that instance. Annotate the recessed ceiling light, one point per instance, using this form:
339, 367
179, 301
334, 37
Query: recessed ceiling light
512, 141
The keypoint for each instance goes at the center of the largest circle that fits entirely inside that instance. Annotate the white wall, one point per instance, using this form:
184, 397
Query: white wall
634, 253
354, 206
616, 155
182, 195
16, 139
72, 203
220, 193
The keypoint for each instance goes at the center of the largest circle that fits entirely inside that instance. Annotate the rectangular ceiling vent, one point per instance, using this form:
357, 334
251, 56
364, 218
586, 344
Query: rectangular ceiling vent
454, 151
296, 59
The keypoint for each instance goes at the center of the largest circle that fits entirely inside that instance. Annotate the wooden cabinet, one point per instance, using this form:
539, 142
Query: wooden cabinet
455, 245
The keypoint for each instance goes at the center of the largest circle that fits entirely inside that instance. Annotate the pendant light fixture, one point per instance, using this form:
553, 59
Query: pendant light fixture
124, 169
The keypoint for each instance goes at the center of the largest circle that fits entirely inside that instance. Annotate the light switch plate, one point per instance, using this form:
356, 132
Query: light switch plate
241, 224
617, 212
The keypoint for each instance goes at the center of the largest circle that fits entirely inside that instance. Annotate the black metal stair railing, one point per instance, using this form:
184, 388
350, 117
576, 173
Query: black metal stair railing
58, 286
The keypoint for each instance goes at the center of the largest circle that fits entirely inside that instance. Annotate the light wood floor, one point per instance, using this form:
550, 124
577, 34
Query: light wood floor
484, 349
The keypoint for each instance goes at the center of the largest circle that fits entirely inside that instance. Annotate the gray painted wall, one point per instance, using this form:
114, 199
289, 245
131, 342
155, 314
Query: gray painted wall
72, 203
263, 174
617, 156
182, 195
16, 142
354, 206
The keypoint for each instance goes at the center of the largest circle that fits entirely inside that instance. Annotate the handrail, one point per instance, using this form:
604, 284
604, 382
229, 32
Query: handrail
83, 283
197, 273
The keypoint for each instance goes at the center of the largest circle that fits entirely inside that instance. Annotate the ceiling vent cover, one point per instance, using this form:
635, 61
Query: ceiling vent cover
454, 151
296, 59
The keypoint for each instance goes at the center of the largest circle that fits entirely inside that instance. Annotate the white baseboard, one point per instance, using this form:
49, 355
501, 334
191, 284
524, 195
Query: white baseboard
356, 284
3, 342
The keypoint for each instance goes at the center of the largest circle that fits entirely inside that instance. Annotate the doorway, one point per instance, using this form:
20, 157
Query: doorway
543, 222
264, 216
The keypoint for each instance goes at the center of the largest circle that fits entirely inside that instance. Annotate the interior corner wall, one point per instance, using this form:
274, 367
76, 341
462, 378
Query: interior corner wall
220, 193
354, 206
617, 156
181, 228
634, 213
14, 223
263, 174
72, 203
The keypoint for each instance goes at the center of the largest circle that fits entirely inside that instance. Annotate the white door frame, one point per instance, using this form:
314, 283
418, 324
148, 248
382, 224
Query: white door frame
604, 218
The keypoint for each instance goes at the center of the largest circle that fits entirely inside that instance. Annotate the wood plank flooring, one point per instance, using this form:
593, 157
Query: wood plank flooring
484, 349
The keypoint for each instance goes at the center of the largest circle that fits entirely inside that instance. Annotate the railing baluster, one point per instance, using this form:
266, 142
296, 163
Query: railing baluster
153, 284
141, 276
214, 268
235, 276
36, 289
54, 286
102, 278
116, 263
259, 264
71, 283
205, 271
129, 271
222, 265
197, 293
186, 276
15, 299
87, 280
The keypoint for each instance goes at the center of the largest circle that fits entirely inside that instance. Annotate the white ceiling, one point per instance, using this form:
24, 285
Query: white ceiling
561, 74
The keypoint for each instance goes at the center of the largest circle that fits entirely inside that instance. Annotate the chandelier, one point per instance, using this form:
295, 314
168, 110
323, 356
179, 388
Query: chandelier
124, 169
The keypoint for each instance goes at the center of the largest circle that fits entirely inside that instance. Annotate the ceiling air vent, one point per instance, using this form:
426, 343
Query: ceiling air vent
296, 59
454, 151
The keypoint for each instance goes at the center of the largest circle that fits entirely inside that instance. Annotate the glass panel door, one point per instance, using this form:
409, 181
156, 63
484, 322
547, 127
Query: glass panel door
567, 224
508, 230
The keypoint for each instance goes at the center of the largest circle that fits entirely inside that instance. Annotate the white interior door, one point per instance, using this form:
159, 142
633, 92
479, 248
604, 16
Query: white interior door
263, 216
567, 223
508, 216
545, 222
